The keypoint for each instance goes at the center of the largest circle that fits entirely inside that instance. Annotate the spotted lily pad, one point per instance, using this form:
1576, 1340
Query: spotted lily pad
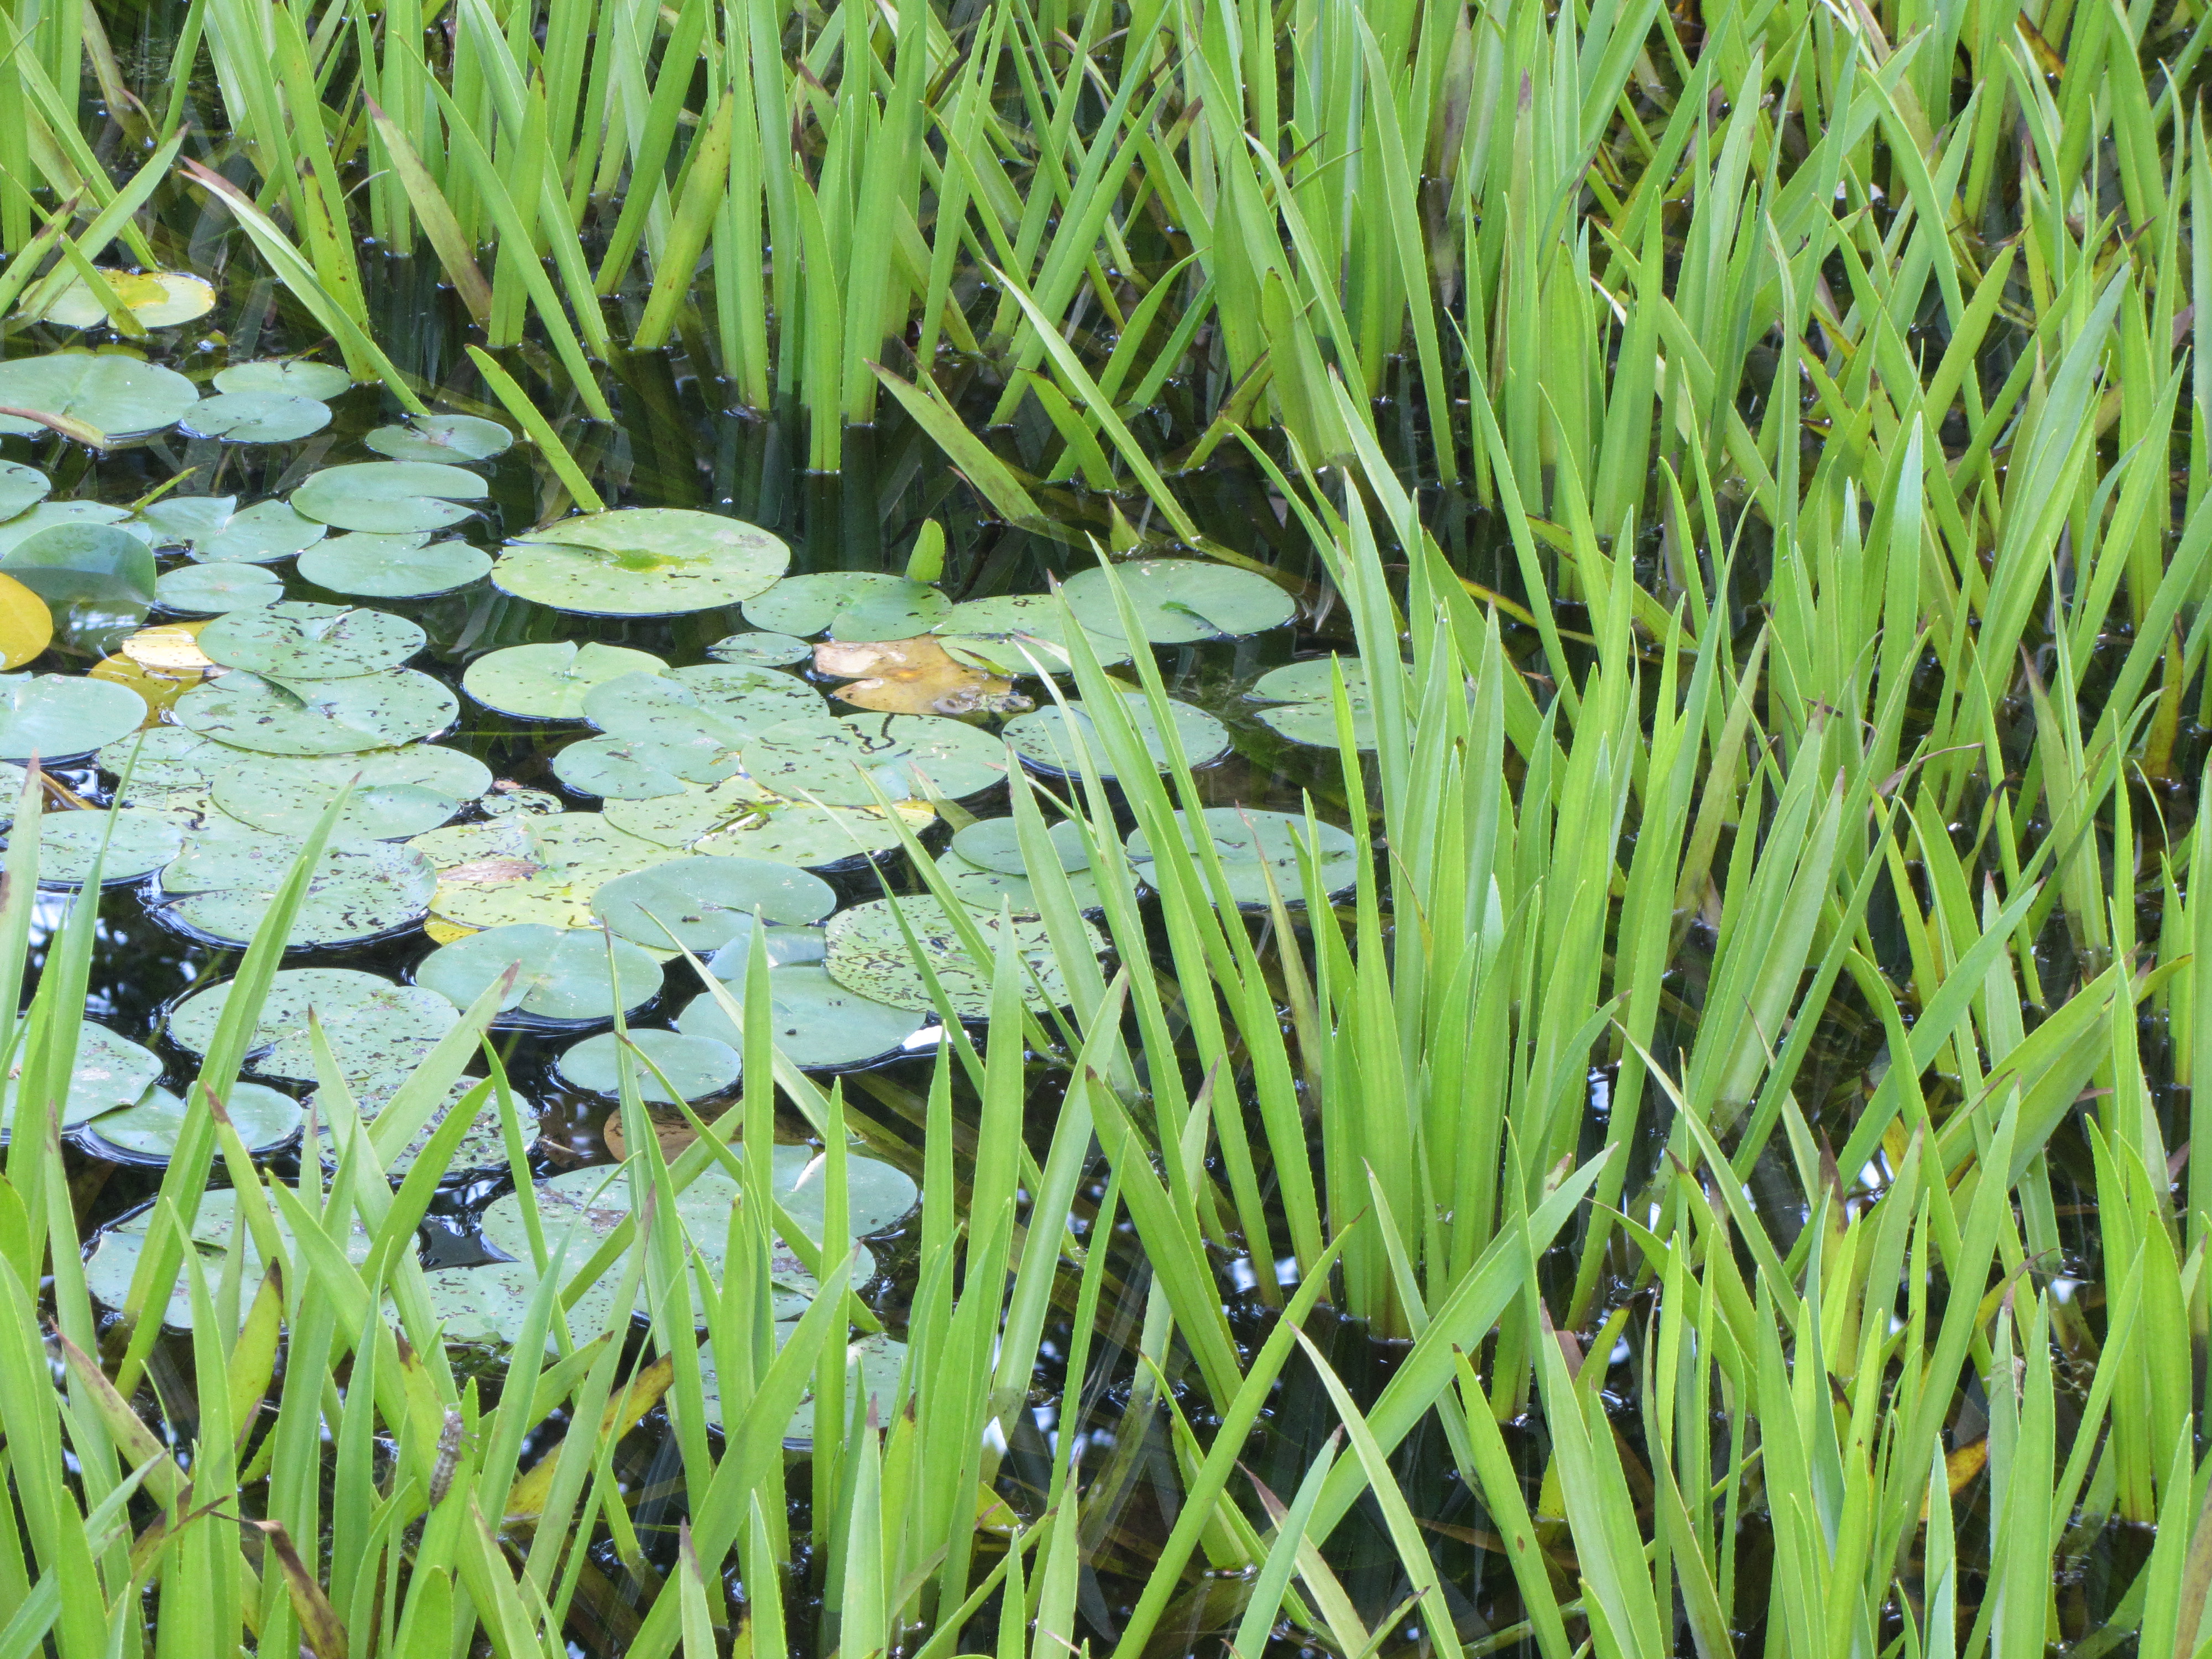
389, 496
112, 1261
147, 1131
21, 488
985, 868
530, 868
868, 953
158, 299
97, 579
318, 717
260, 534
641, 561
298, 639
873, 1365
1052, 738
392, 566
906, 756
1306, 693
163, 760
139, 843
107, 1072
298, 376
441, 438
217, 589
549, 682
728, 703
482, 1145
256, 417
55, 717
641, 768
1256, 847
487, 1303
378, 1031
568, 975
816, 1023
1020, 633
695, 1067
118, 396
703, 903
849, 604
1177, 601
396, 792
761, 650
222, 883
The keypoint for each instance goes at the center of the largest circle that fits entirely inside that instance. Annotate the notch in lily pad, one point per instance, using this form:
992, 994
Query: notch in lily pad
565, 975
1305, 695
389, 496
1054, 738
641, 561
147, 1131
549, 682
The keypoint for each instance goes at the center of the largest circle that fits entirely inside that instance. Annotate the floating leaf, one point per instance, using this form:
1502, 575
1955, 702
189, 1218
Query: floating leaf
549, 682
98, 581
849, 604
709, 703
1256, 846
261, 534
703, 903
161, 691
915, 677
482, 1145
906, 756
873, 1365
27, 625
106, 1071
21, 488
318, 717
396, 792
868, 953
158, 299
46, 515
1306, 690
52, 717
485, 1304
504, 798
995, 844
567, 975
139, 843
255, 417
696, 1068
527, 868
814, 837
217, 589
118, 395
112, 1261
148, 1130
1052, 738
985, 866
641, 561
392, 566
377, 1031
761, 650
818, 1023
168, 649
441, 438
165, 760
298, 639
1178, 601
224, 881
389, 496
1020, 633
641, 768
296, 375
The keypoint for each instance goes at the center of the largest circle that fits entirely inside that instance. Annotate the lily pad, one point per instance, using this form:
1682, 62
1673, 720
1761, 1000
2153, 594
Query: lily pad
441, 438
318, 717
1020, 633
1256, 847
139, 843
849, 604
642, 561
47, 515
97, 579
389, 496
147, 1131
995, 844
217, 589
705, 902
482, 1145
222, 883
526, 867
1052, 738
640, 769
158, 299
378, 1031
505, 798
112, 1261
915, 677
874, 1364
118, 396
845, 762
256, 417
21, 488
761, 650
1178, 601
696, 1068
726, 702
868, 953
567, 975
485, 1305
107, 1072
818, 1023
549, 682
260, 534
296, 375
301, 640
1305, 690
163, 760
397, 793
815, 837
55, 717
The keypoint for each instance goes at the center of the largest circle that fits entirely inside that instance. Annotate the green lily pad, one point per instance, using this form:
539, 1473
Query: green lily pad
640, 769
526, 867
504, 799
217, 589
641, 561
260, 534
299, 640
1305, 690
139, 843
549, 682
727, 703
318, 717
118, 395
389, 496
56, 717
1020, 633
47, 515
1256, 847
868, 953
873, 1365
392, 566
761, 650
1177, 601
906, 756
991, 891
568, 974
484, 1306
224, 881
849, 604
107, 1072
482, 1145
813, 837
21, 488
378, 1031
112, 1261
1052, 738
818, 1023
164, 760
96, 579
296, 375
705, 902
696, 1068
680, 820
398, 792
441, 438
147, 1131
995, 844
256, 417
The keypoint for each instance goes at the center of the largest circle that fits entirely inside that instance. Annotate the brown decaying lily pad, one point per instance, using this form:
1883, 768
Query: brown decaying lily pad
674, 1134
913, 676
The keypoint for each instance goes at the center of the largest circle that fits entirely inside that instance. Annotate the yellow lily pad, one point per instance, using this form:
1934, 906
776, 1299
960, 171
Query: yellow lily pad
26, 624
